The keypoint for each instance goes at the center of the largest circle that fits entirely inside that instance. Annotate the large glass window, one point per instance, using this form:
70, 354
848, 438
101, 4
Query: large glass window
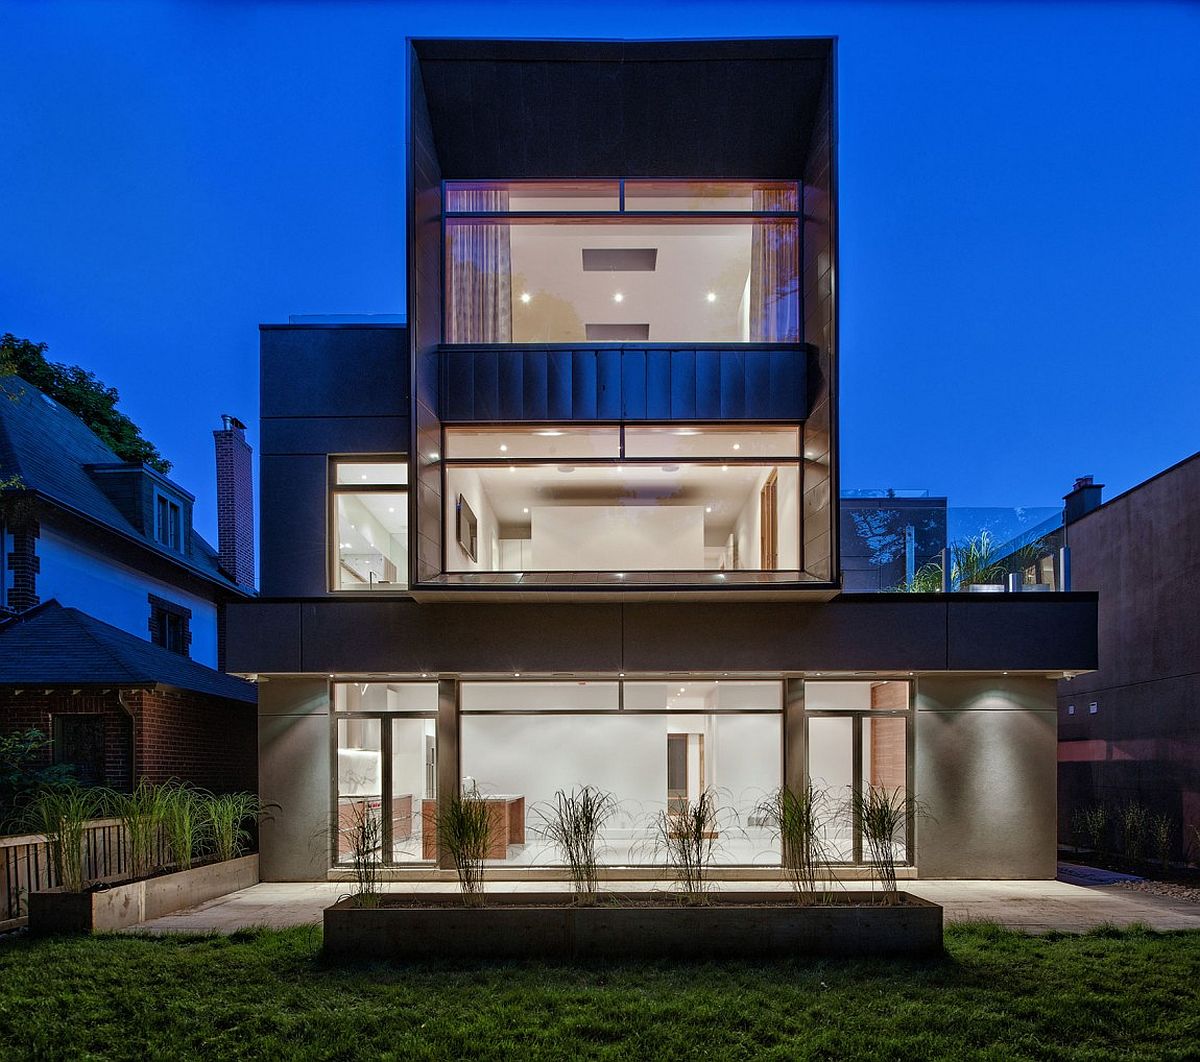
630, 261
369, 547
524, 741
386, 769
700, 498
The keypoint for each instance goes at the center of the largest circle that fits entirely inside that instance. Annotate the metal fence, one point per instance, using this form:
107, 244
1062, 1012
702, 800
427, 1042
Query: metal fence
26, 865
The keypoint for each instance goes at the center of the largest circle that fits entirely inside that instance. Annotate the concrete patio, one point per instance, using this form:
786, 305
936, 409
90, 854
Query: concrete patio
1029, 906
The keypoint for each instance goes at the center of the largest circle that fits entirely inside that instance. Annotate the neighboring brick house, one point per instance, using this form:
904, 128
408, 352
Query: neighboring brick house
110, 545
120, 708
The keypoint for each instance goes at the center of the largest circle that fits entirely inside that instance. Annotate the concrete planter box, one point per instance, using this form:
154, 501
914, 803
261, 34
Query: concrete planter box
733, 925
127, 904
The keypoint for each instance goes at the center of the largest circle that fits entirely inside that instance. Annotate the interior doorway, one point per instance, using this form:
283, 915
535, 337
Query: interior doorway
769, 521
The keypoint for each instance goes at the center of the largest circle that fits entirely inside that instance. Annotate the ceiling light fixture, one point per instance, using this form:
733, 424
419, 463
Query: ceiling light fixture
737, 446
525, 296
363, 476
711, 296
548, 434
708, 508
391, 508
524, 510
724, 468
504, 448
618, 297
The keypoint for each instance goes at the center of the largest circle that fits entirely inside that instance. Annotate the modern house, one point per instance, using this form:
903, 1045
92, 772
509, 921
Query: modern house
576, 520
1130, 730
112, 617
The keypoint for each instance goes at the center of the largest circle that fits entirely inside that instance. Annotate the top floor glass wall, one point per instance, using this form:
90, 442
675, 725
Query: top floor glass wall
568, 262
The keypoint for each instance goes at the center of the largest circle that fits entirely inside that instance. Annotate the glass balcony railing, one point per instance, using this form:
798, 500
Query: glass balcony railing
909, 541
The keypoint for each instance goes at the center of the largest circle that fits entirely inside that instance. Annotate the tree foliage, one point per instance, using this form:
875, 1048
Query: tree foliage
87, 397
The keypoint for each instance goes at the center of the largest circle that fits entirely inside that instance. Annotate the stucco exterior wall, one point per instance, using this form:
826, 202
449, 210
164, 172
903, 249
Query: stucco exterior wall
986, 773
294, 779
102, 587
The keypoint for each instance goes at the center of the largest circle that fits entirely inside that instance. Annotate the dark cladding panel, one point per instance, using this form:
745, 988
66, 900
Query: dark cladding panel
608, 384
307, 370
988, 635
658, 385
733, 384
683, 385
511, 383
335, 435
293, 502
535, 385
583, 385
633, 385
708, 385
404, 636
262, 636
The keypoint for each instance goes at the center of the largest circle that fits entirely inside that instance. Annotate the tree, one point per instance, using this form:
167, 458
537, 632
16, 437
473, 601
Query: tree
21, 772
84, 395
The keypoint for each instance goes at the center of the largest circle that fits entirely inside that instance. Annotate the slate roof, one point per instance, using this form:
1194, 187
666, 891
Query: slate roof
48, 446
49, 645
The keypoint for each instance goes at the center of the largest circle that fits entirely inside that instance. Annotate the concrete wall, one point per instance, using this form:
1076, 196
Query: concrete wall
294, 779
985, 769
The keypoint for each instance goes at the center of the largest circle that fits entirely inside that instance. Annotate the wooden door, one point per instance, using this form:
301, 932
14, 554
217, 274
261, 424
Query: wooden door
769, 522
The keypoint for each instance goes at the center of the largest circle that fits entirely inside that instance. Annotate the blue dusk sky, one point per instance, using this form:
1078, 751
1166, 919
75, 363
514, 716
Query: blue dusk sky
1020, 212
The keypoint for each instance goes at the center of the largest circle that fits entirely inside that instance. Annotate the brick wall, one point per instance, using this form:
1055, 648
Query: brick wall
235, 505
207, 741
22, 561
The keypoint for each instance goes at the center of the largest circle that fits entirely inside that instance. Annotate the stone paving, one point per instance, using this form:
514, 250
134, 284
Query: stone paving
1030, 906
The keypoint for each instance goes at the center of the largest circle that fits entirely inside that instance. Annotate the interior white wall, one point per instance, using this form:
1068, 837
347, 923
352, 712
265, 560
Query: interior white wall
82, 578
615, 538
747, 529
831, 755
465, 481
408, 758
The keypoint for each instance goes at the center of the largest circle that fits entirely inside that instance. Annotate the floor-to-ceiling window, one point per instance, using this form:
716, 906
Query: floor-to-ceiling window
651, 745
385, 747
703, 497
857, 734
622, 261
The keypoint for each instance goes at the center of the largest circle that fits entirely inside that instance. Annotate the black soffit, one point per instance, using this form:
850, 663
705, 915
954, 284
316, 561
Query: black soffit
633, 109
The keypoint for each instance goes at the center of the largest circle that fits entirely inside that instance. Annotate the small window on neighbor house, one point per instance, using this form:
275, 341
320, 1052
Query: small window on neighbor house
168, 522
170, 625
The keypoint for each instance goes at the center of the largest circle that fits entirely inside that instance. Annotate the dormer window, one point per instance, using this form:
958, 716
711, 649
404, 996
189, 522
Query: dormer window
168, 522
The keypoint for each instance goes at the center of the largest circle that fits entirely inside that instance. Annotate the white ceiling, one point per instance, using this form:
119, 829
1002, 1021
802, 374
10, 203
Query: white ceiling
694, 260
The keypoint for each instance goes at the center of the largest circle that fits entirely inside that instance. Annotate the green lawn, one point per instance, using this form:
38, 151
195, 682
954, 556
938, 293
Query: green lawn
267, 994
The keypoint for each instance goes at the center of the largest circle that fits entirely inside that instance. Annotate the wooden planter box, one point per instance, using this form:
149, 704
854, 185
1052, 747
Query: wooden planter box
127, 904
732, 925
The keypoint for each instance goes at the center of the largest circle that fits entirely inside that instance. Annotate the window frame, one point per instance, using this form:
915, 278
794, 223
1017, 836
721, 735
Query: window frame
173, 528
334, 488
162, 612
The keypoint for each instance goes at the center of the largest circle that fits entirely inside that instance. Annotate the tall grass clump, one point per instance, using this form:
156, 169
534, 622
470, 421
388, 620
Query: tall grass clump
883, 816
1094, 820
141, 812
365, 834
1134, 822
225, 819
1162, 832
797, 819
573, 822
62, 815
685, 839
463, 826
182, 822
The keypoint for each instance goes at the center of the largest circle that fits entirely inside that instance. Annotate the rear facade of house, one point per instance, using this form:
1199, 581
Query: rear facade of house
574, 521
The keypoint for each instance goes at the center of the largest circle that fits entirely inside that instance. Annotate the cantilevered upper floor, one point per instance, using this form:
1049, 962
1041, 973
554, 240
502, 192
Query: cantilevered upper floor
622, 316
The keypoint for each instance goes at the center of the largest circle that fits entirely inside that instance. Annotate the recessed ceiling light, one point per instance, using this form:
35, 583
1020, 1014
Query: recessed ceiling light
724, 468
391, 508
525, 296
711, 296
512, 468
618, 297
548, 434
708, 508
524, 510
737, 446
687, 431
504, 448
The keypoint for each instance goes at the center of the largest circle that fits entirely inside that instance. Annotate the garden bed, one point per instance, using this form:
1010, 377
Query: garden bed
728, 925
105, 908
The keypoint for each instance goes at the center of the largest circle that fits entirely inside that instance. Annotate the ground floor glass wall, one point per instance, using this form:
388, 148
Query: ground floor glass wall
654, 745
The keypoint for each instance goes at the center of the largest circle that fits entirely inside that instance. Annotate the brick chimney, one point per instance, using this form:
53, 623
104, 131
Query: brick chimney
1082, 499
235, 501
